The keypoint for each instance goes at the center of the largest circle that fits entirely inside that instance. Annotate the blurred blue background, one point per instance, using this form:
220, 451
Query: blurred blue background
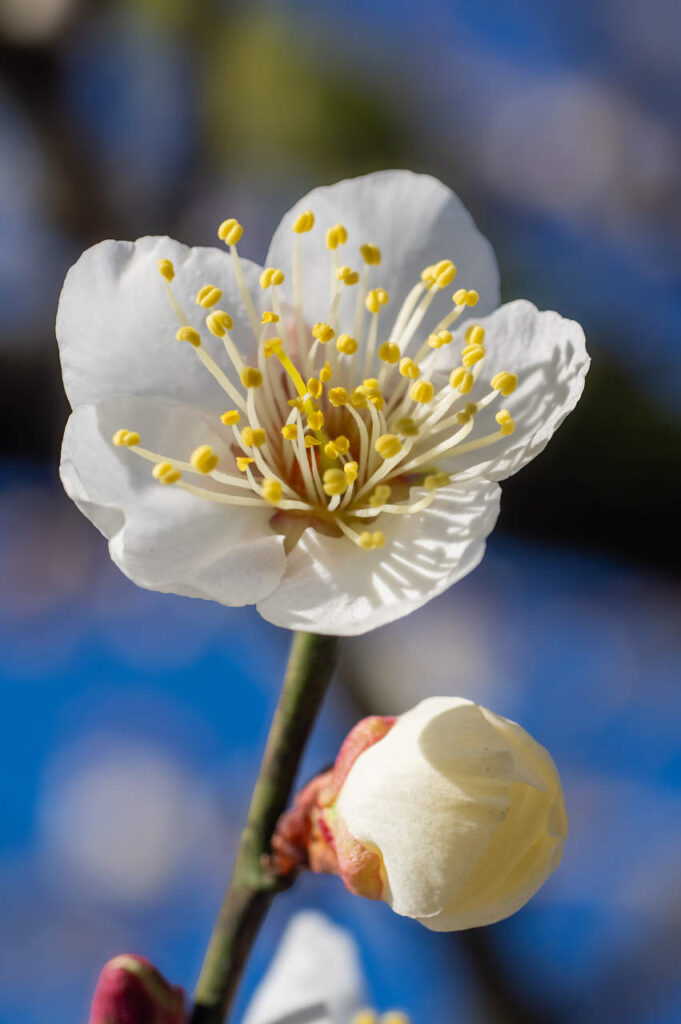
133, 722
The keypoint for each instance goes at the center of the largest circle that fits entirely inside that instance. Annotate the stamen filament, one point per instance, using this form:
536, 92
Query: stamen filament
371, 344
439, 450
397, 510
243, 289
220, 497
384, 470
221, 377
406, 310
416, 318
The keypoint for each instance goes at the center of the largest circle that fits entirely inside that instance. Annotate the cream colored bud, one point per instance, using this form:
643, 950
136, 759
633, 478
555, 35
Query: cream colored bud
463, 807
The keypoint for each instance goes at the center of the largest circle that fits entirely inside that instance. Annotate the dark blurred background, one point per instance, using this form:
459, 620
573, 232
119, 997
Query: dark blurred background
132, 722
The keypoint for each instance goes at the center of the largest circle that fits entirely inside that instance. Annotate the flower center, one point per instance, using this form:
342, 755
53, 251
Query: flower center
334, 429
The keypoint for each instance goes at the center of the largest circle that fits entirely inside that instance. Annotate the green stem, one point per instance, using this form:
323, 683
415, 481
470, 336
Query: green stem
251, 889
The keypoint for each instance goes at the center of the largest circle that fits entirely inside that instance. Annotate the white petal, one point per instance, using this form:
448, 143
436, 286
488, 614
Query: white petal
116, 329
454, 797
548, 354
332, 586
160, 537
414, 219
316, 969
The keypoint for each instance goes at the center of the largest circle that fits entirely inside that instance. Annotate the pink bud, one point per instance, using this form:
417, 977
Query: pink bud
310, 834
131, 991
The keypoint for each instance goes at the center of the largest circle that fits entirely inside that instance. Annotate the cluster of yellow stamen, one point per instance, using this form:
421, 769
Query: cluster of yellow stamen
344, 439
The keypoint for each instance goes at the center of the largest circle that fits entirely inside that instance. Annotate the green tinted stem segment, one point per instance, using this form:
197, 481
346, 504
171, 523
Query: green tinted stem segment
251, 888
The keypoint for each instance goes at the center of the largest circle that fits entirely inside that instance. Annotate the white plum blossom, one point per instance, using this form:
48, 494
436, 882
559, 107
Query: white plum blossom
315, 978
322, 437
451, 814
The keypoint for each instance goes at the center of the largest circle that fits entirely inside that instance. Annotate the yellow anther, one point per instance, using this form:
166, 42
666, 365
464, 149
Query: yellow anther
380, 495
325, 373
347, 275
388, 352
208, 296
472, 298
304, 222
407, 427
369, 541
335, 236
408, 368
230, 231
339, 446
270, 276
271, 490
371, 254
435, 480
388, 445
218, 323
378, 401
126, 438
311, 441
439, 339
475, 334
504, 382
423, 392
189, 334
358, 399
251, 377
461, 380
269, 318
459, 297
346, 344
295, 403
242, 462
166, 473
231, 417
351, 469
290, 431
467, 413
334, 482
166, 269
253, 437
204, 459
315, 420
472, 354
376, 298
428, 274
314, 386
272, 347
364, 1016
370, 382
445, 272
323, 333
505, 421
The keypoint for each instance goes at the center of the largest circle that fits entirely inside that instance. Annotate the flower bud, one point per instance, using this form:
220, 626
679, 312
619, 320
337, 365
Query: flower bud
131, 991
451, 814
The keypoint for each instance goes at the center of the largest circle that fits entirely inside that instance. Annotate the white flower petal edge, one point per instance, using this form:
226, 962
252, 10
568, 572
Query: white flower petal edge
116, 327
548, 355
466, 810
160, 537
339, 589
315, 973
415, 221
